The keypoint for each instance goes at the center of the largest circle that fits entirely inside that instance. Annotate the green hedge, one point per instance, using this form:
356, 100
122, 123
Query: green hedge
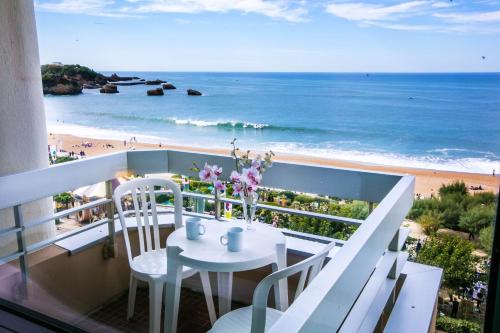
452, 325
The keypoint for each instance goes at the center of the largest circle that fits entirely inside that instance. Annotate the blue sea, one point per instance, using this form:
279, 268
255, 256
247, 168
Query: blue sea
436, 121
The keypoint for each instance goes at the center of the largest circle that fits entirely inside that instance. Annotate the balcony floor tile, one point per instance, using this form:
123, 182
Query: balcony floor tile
193, 315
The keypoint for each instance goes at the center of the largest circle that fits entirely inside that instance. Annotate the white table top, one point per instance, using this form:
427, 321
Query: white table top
207, 253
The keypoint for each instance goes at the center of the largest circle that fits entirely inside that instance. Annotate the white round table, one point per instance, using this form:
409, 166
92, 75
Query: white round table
262, 246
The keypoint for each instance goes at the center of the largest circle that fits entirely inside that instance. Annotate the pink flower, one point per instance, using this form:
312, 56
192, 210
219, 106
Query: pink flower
250, 189
210, 173
257, 163
237, 188
251, 176
206, 174
219, 185
216, 170
235, 176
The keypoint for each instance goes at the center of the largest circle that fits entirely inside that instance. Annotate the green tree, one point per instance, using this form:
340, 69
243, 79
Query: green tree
430, 222
476, 219
486, 238
451, 207
64, 198
454, 255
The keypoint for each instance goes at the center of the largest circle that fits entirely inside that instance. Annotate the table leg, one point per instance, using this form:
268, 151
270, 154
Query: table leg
225, 289
281, 288
172, 289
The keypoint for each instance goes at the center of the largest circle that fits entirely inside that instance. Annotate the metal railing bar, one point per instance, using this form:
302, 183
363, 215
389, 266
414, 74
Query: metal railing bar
8, 258
47, 242
21, 247
10, 231
110, 214
311, 237
331, 218
68, 212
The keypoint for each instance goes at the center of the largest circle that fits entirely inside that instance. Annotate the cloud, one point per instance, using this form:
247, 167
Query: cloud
288, 10
88, 7
442, 4
373, 12
183, 21
493, 16
419, 15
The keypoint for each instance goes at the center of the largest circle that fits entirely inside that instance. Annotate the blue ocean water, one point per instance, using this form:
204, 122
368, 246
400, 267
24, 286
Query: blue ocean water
438, 121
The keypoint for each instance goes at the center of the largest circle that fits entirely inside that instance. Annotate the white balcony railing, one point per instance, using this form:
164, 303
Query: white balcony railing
344, 280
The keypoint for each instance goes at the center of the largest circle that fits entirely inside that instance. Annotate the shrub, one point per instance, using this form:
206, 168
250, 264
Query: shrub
430, 222
63, 198
454, 255
452, 325
302, 198
476, 218
422, 206
457, 187
486, 238
451, 207
64, 159
482, 198
358, 210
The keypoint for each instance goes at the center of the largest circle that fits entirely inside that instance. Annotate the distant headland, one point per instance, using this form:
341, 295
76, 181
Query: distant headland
59, 79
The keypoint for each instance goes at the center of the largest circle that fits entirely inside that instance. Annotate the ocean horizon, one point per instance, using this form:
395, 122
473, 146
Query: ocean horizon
443, 121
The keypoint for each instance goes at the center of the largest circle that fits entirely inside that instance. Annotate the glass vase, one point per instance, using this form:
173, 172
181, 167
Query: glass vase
249, 203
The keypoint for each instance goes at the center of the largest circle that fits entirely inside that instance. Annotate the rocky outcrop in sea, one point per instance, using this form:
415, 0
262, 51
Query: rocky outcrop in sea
154, 82
59, 79
109, 89
155, 92
168, 86
192, 92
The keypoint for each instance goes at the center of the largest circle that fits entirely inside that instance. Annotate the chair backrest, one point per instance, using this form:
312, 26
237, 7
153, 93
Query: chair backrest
144, 199
308, 269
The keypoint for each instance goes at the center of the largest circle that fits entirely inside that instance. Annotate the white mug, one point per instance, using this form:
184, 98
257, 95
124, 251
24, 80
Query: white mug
233, 239
194, 228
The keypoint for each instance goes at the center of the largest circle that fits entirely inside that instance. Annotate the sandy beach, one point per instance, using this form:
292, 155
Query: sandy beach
427, 181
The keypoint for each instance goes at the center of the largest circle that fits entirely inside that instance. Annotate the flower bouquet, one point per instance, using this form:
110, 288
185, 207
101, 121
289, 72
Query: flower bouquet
210, 174
247, 178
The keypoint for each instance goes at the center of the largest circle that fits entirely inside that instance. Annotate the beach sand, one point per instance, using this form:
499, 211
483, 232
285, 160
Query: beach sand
427, 181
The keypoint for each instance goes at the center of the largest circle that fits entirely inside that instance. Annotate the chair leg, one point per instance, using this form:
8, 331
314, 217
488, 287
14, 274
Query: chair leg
155, 300
207, 290
131, 297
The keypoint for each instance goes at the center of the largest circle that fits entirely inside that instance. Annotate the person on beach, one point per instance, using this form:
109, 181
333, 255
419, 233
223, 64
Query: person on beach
454, 308
419, 246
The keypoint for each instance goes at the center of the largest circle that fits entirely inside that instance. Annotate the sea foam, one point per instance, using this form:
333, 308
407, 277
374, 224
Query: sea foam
474, 165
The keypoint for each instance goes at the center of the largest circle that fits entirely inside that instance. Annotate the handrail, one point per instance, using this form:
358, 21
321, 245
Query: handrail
314, 179
40, 245
292, 211
342, 280
339, 283
67, 212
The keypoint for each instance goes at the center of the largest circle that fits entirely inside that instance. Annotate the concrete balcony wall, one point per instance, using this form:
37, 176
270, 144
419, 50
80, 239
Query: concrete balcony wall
68, 287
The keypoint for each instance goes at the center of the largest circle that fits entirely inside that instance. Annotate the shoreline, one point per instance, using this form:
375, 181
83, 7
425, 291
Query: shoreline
428, 181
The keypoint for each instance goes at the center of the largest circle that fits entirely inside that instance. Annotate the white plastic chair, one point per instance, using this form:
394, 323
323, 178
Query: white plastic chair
151, 263
258, 318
